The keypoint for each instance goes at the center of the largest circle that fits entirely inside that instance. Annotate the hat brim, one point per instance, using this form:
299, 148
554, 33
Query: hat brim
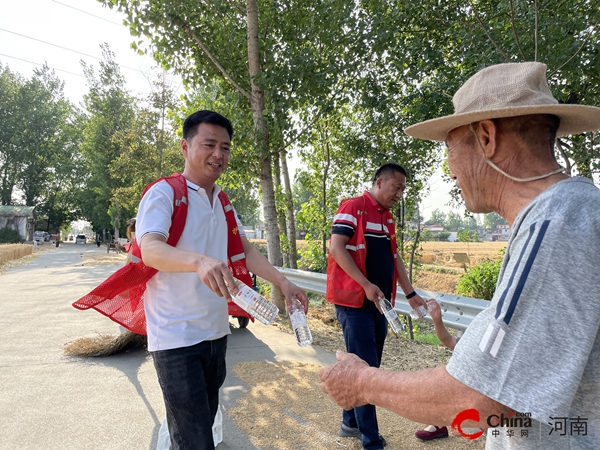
574, 119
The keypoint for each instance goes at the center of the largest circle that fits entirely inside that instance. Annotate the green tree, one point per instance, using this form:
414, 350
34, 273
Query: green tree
455, 221
491, 220
442, 236
438, 217
149, 146
10, 236
40, 132
10, 152
467, 236
426, 235
444, 43
110, 110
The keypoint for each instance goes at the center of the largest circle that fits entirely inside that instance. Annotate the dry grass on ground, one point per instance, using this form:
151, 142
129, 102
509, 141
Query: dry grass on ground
442, 253
437, 282
104, 259
10, 252
285, 409
20, 254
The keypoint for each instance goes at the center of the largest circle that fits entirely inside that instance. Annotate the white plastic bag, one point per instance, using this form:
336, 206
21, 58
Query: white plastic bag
217, 428
164, 440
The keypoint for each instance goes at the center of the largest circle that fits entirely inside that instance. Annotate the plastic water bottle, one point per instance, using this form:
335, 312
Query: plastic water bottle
217, 428
418, 313
391, 315
299, 323
255, 304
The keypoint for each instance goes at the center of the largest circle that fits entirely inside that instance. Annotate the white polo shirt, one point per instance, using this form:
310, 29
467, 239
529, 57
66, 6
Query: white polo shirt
181, 310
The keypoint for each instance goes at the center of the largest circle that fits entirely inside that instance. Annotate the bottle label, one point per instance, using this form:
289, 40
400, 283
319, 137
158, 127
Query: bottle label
247, 294
298, 319
391, 315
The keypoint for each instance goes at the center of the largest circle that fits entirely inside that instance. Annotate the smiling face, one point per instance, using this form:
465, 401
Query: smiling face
388, 189
206, 155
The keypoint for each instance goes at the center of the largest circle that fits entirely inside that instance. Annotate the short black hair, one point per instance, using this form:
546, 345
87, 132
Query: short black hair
389, 169
190, 125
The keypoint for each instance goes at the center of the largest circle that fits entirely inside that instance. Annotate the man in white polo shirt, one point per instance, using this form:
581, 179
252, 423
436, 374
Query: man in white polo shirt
186, 301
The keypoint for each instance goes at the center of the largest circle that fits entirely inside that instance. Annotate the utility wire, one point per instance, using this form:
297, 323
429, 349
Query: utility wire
65, 71
38, 64
89, 14
64, 48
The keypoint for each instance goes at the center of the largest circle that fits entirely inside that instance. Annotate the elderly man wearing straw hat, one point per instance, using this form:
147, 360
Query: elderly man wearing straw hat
528, 367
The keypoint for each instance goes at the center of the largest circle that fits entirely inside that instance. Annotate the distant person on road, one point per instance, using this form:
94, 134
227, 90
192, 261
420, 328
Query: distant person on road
131, 237
186, 301
98, 240
363, 267
534, 353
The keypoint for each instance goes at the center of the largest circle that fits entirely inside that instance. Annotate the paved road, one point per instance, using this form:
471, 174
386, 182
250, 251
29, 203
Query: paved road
49, 400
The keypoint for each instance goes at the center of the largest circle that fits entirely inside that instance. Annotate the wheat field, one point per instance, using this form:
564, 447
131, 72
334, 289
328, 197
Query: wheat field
10, 252
444, 253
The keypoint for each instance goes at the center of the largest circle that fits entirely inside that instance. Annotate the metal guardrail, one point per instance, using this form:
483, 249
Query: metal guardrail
458, 312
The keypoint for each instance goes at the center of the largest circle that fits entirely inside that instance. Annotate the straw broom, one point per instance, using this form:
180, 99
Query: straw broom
105, 344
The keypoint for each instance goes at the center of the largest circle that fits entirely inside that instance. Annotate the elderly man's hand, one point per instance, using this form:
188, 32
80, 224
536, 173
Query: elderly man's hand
342, 381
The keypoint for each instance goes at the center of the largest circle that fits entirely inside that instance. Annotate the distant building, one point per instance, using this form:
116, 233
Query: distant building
501, 233
433, 228
19, 218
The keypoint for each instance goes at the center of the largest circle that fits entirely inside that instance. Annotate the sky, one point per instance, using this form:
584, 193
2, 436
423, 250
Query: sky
61, 33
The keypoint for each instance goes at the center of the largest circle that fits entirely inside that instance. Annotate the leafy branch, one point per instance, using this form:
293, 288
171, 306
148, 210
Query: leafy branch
512, 24
577, 52
484, 29
216, 62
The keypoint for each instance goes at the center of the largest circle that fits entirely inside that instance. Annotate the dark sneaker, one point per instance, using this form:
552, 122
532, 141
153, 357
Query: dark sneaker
432, 432
346, 431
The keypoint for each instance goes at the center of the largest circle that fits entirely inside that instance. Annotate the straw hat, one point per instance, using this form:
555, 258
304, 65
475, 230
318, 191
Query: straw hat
508, 90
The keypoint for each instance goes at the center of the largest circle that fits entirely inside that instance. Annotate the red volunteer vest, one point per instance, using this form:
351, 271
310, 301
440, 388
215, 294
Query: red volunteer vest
121, 296
341, 288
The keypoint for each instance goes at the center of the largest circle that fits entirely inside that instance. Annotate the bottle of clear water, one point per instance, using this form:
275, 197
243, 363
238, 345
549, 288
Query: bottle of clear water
255, 304
217, 428
391, 315
299, 322
418, 313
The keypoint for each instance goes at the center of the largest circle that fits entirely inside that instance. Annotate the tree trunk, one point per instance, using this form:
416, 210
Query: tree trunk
289, 201
266, 177
116, 219
281, 222
324, 190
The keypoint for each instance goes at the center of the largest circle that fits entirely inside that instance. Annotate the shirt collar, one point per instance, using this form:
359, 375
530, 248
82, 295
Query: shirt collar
373, 202
200, 190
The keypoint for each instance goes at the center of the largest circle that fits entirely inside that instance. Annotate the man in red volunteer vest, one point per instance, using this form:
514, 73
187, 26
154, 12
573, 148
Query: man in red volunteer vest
186, 301
363, 266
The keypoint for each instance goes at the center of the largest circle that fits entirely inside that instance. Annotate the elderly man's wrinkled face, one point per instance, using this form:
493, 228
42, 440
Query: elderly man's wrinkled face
467, 168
